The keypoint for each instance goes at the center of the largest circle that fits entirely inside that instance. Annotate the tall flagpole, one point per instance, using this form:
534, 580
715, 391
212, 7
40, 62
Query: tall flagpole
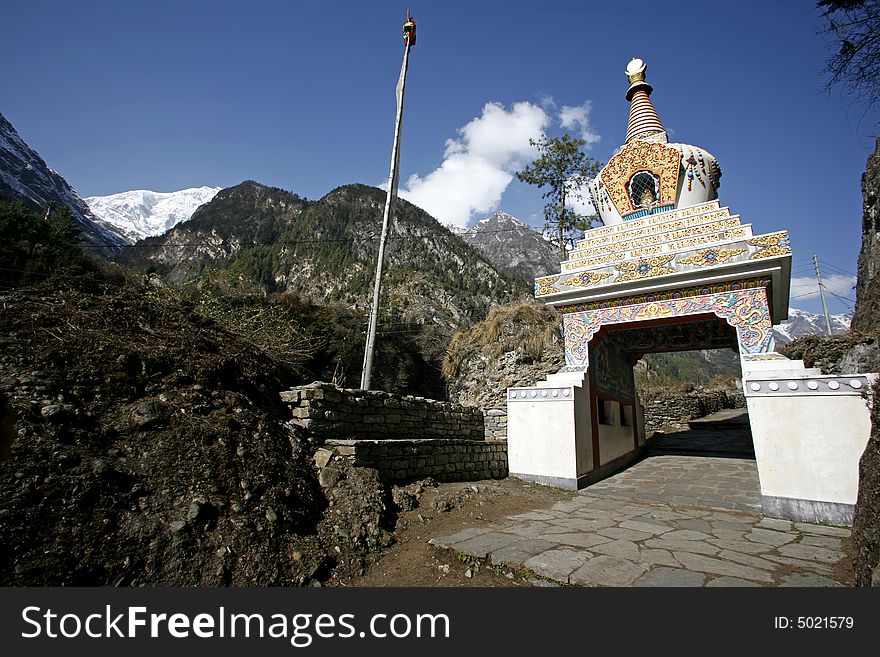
390, 197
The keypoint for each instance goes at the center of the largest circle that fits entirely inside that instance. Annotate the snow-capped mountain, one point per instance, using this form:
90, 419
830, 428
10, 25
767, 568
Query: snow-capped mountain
143, 213
513, 246
801, 323
25, 176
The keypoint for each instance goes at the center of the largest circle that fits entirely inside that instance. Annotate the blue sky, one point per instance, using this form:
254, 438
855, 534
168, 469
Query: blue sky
300, 95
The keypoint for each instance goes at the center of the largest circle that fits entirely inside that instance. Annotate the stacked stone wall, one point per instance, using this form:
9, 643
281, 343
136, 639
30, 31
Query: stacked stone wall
403, 437
328, 412
495, 423
672, 409
444, 460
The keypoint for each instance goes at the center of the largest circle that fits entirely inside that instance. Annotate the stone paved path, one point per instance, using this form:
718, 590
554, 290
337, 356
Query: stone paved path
667, 521
726, 433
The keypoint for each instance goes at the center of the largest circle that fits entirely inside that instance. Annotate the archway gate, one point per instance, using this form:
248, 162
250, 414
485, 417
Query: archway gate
716, 285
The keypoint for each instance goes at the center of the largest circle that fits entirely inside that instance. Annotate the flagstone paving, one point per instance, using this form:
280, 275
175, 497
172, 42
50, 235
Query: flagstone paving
670, 520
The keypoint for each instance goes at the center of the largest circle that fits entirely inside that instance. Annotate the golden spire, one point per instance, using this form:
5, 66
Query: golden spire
643, 120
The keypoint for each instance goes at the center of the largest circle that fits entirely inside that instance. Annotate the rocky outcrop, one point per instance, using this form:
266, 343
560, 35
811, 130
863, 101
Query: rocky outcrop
516, 345
152, 450
866, 520
867, 314
836, 354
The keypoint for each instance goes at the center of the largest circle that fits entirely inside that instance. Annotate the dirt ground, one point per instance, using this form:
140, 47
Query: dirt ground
447, 508
443, 510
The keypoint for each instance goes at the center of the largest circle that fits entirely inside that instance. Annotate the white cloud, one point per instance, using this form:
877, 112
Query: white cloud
578, 118
479, 165
481, 162
582, 205
804, 288
547, 101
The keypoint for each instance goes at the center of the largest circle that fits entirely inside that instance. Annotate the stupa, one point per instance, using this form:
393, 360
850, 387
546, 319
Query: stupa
671, 269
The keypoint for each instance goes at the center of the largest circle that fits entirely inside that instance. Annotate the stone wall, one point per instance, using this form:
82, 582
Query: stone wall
442, 459
328, 412
495, 423
404, 438
677, 408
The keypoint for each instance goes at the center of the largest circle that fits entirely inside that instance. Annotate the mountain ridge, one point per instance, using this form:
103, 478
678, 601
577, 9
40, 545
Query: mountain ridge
802, 322
140, 213
325, 250
25, 176
512, 246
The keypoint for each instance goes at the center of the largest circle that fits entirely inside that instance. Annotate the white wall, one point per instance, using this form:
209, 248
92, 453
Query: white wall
808, 447
549, 437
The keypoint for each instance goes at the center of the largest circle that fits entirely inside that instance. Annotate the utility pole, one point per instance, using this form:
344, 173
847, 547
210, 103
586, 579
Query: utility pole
822, 294
409, 40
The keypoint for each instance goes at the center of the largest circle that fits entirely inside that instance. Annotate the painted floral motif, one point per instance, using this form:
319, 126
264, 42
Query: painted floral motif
654, 220
710, 257
631, 271
587, 278
545, 285
774, 244
768, 356
654, 310
670, 231
666, 295
746, 310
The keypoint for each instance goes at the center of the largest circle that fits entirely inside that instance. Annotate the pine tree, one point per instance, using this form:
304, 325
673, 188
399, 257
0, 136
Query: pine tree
564, 169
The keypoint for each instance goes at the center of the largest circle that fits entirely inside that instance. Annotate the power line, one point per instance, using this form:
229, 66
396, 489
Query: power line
847, 299
837, 270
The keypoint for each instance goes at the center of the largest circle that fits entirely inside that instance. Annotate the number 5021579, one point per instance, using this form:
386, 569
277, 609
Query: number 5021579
814, 622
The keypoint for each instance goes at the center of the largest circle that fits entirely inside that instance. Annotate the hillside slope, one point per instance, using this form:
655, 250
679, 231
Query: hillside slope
267, 239
153, 450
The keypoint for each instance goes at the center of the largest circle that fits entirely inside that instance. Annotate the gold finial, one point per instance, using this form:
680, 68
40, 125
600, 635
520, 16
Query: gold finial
635, 70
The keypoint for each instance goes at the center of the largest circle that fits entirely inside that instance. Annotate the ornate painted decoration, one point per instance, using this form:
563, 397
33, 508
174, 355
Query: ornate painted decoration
774, 244
772, 355
746, 310
639, 339
545, 285
638, 155
711, 257
587, 279
667, 295
645, 268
